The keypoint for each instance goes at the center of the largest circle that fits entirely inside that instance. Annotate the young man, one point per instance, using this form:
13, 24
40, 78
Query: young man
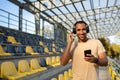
84, 67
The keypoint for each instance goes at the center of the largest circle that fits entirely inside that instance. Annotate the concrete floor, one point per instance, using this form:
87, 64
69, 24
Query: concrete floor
104, 74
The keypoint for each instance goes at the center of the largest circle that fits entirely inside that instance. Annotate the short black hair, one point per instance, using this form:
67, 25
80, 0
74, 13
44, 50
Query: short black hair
80, 22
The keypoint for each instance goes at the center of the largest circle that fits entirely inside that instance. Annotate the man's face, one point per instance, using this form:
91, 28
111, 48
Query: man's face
81, 31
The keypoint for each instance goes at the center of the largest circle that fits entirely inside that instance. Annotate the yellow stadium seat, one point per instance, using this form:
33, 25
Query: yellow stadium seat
53, 60
53, 45
46, 50
34, 64
2, 53
57, 60
23, 67
8, 70
66, 76
1, 33
12, 40
54, 79
48, 61
61, 50
41, 44
70, 73
113, 75
54, 51
60, 77
29, 50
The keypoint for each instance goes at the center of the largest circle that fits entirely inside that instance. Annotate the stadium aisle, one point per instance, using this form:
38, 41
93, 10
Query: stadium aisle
104, 74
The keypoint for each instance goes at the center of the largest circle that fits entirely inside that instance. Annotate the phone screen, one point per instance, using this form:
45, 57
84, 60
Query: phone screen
87, 52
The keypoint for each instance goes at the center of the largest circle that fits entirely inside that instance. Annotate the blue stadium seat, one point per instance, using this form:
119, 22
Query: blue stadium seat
20, 50
43, 62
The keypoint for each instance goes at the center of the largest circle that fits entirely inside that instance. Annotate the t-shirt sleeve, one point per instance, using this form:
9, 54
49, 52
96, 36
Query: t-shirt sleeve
101, 48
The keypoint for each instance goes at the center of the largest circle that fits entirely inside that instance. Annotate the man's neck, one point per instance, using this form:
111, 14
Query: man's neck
82, 41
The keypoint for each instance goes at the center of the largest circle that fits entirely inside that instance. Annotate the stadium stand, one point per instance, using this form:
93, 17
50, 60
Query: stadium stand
21, 50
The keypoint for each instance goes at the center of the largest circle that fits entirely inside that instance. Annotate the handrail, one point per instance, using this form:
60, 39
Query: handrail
12, 21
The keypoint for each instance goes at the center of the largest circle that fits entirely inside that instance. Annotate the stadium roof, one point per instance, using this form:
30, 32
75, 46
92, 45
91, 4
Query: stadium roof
102, 16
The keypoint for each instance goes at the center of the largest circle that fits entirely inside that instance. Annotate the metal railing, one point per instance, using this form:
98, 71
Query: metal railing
10, 20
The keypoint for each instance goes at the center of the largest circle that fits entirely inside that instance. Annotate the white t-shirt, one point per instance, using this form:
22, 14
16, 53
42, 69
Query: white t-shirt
83, 70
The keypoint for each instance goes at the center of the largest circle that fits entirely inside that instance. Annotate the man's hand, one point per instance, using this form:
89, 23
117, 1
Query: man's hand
91, 58
70, 37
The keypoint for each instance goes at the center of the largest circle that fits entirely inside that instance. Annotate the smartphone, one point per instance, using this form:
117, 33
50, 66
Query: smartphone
87, 52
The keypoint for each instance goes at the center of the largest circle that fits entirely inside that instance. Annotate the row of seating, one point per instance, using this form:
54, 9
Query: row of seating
21, 50
53, 61
23, 38
42, 46
67, 75
114, 70
9, 70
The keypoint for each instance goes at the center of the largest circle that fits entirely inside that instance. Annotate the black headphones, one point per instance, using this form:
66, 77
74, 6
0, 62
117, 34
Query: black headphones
87, 27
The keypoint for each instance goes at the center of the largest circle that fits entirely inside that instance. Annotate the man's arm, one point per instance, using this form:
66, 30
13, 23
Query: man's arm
66, 55
102, 59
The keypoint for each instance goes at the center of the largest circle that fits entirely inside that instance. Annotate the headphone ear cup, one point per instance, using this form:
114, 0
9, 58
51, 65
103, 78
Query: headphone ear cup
87, 29
74, 30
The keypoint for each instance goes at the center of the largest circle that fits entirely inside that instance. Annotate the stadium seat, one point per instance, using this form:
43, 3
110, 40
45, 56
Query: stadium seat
41, 44
12, 40
29, 50
48, 61
54, 79
70, 74
53, 45
61, 50
1, 33
23, 67
34, 64
46, 50
57, 60
41, 50
11, 49
20, 50
54, 51
66, 75
60, 77
43, 62
3, 53
3, 38
8, 70
53, 61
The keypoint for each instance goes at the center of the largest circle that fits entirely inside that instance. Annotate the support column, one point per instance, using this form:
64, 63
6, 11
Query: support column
20, 18
37, 23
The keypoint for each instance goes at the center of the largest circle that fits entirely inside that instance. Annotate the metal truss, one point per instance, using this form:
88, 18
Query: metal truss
102, 16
